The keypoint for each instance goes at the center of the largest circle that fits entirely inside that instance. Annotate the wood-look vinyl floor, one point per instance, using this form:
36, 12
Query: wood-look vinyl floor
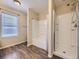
23, 52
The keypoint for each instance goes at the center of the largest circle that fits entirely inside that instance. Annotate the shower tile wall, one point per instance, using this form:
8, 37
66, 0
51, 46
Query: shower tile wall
65, 37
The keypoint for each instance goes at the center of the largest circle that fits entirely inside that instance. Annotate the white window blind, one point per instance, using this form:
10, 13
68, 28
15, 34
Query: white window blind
9, 25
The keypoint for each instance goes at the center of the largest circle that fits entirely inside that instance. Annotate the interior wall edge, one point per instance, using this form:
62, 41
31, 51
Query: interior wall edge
31, 15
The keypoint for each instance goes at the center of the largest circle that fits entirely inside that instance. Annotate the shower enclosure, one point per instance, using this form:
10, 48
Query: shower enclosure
67, 31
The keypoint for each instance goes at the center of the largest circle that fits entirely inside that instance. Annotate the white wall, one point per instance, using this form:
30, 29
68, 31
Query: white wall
35, 32
9, 41
35, 29
42, 40
39, 34
43, 33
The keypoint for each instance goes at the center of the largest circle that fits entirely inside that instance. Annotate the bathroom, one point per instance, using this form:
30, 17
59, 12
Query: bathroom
64, 40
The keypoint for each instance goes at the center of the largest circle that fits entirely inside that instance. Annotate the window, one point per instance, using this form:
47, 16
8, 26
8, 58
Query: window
9, 25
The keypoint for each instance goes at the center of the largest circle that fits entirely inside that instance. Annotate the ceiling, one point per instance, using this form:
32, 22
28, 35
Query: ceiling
37, 5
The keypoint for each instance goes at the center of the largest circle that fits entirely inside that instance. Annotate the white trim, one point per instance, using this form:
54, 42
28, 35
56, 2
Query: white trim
50, 56
2, 27
51, 27
29, 45
12, 45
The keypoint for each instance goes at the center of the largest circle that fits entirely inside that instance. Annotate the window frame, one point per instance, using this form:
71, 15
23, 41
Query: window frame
2, 31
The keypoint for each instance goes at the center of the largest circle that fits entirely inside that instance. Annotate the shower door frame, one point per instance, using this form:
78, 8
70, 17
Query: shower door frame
77, 44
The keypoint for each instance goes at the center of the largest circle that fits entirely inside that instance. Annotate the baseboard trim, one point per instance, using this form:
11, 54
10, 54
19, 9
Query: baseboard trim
50, 56
29, 45
12, 45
